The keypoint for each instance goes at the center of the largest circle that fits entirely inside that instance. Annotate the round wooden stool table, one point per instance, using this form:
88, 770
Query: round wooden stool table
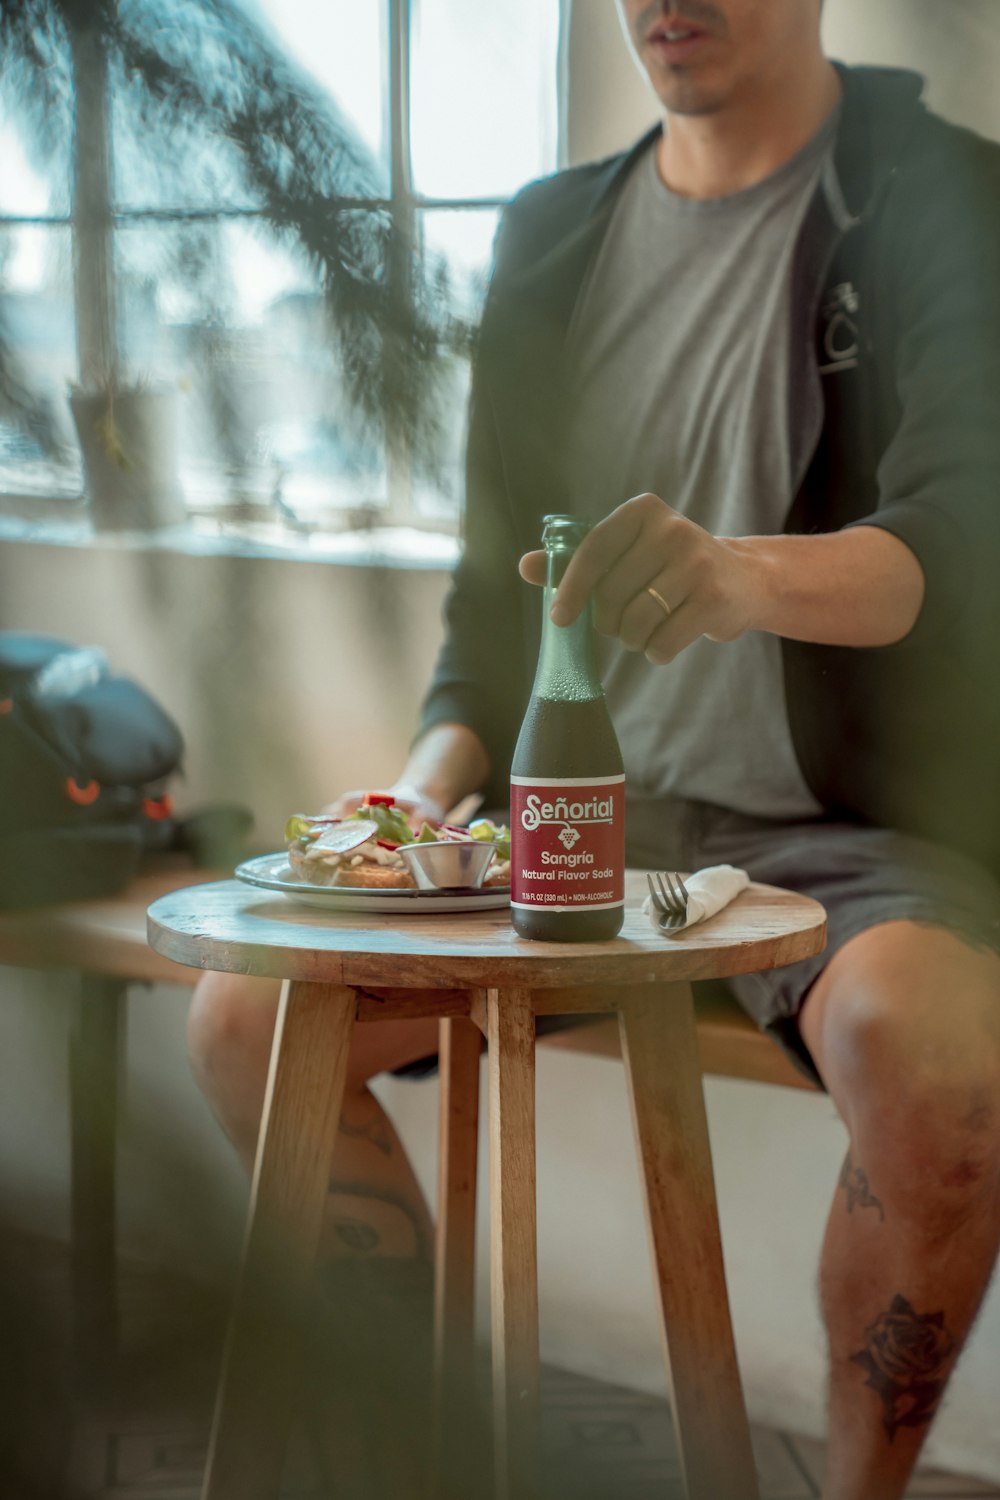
471, 970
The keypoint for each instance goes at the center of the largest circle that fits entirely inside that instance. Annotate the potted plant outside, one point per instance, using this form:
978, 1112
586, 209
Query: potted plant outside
128, 443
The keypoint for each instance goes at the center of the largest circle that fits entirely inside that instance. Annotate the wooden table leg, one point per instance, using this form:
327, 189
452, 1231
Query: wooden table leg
455, 1252
298, 1130
95, 1052
659, 1047
514, 1254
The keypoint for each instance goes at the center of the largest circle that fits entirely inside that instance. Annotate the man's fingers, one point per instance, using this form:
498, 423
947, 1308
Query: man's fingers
640, 620
532, 567
646, 627
685, 626
410, 799
600, 549
342, 806
627, 581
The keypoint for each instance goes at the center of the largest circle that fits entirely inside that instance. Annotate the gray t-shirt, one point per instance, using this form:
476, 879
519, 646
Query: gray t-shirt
681, 353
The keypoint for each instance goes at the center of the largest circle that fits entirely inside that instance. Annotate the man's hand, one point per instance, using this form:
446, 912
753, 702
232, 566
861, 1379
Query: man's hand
417, 805
858, 587
445, 766
707, 586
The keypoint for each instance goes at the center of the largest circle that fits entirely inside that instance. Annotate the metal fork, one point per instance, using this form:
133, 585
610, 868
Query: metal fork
669, 901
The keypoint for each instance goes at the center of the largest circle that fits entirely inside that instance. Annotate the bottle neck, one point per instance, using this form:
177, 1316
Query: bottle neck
567, 662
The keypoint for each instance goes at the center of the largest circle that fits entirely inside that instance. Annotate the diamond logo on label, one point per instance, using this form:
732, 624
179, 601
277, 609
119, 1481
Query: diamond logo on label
568, 837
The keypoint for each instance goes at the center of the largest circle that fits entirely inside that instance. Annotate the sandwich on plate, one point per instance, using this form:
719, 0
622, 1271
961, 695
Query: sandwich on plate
361, 849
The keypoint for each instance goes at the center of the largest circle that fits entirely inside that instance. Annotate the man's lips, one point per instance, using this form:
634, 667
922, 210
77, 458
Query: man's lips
675, 40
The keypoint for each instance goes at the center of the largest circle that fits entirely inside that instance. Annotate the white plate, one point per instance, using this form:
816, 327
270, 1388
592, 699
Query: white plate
271, 873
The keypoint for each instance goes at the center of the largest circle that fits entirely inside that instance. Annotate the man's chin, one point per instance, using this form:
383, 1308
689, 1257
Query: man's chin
683, 96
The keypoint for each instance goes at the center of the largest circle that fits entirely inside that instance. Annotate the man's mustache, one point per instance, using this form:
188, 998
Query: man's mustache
698, 12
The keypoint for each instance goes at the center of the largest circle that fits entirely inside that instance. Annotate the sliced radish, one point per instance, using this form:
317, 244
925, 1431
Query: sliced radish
342, 837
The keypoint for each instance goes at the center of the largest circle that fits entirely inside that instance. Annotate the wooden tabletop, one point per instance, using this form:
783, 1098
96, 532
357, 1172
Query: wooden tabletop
237, 928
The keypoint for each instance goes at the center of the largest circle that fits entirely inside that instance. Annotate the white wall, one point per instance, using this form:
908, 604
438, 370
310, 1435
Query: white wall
955, 46
291, 680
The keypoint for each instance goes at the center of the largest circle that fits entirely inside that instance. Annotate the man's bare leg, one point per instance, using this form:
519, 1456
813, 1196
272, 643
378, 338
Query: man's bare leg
904, 1026
376, 1208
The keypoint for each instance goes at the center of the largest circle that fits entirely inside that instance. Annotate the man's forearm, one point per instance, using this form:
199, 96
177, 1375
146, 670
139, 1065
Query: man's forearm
660, 582
446, 764
861, 587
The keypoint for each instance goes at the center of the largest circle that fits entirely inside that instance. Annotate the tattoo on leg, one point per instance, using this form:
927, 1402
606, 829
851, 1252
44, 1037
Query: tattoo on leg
855, 1184
338, 1187
357, 1236
376, 1133
904, 1358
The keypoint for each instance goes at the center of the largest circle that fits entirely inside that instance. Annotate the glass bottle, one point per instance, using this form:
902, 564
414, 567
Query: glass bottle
567, 780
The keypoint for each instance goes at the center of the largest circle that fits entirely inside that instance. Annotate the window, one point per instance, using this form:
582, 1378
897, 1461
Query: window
231, 130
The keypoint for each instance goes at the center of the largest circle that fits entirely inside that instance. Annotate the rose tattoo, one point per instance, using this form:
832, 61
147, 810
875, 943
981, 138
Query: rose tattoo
855, 1185
904, 1359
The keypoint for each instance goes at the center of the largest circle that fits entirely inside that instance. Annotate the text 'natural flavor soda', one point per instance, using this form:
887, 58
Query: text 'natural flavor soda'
567, 792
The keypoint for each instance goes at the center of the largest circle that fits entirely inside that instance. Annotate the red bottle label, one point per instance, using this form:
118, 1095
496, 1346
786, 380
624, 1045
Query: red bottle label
567, 842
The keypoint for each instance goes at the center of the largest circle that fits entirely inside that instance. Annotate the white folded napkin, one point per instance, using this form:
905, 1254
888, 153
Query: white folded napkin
708, 892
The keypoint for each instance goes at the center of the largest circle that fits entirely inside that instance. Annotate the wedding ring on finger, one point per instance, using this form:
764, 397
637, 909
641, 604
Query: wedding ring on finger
660, 601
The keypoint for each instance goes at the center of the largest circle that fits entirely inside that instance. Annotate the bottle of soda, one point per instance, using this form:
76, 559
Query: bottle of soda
567, 792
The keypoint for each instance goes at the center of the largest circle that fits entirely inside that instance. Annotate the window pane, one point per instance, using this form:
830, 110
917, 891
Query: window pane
482, 95
162, 160
342, 44
34, 176
38, 451
463, 238
237, 322
328, 58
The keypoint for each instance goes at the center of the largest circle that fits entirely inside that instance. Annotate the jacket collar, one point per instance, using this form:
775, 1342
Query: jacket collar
881, 107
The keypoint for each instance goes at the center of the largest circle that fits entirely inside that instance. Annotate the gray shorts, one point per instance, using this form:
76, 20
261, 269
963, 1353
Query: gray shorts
863, 876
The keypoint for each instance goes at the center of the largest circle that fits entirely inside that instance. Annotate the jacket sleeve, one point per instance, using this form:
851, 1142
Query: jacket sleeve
939, 477
481, 678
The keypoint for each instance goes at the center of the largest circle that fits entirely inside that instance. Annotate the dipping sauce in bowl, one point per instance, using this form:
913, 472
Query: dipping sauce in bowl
449, 864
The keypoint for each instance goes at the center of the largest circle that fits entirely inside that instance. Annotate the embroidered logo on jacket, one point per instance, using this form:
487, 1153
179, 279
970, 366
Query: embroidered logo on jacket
840, 336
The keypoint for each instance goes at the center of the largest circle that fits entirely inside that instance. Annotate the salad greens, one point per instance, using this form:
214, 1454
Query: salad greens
394, 828
297, 827
391, 822
488, 832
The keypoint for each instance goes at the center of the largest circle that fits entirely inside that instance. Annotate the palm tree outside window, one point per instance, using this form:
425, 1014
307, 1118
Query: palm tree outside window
281, 209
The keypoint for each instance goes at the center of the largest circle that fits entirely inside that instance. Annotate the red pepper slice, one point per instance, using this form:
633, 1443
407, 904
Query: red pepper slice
378, 799
387, 844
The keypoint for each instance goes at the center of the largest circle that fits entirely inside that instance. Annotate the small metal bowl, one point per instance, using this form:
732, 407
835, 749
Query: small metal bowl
449, 865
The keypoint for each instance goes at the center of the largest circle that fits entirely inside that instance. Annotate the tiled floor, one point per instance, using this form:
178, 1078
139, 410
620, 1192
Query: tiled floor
623, 1448
602, 1443
143, 1436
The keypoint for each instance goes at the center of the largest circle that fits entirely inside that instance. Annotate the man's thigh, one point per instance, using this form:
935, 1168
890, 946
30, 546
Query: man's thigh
869, 880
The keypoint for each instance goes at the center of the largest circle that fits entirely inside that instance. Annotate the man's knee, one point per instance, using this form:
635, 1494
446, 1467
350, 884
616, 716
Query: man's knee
906, 1032
231, 1022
